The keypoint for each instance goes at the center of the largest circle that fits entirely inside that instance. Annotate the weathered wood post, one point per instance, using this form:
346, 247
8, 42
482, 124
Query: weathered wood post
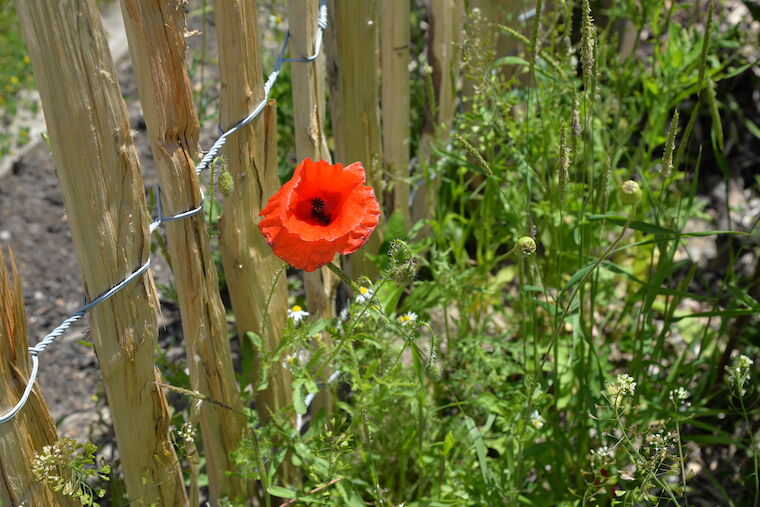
308, 82
155, 31
354, 79
249, 264
445, 33
395, 38
103, 192
32, 428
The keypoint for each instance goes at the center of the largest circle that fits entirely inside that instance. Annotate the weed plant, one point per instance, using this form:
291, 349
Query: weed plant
558, 343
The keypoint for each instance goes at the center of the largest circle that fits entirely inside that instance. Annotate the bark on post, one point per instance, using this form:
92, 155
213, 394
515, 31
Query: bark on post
105, 202
155, 31
249, 264
444, 37
308, 82
354, 68
395, 38
32, 428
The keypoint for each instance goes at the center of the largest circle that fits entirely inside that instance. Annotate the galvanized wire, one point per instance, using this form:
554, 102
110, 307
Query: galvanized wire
37, 349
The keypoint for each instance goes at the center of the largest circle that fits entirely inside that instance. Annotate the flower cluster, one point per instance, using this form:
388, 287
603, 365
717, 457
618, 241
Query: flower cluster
622, 385
66, 466
679, 396
738, 373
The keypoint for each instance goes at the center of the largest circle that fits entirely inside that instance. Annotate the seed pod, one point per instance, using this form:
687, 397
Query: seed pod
526, 246
630, 192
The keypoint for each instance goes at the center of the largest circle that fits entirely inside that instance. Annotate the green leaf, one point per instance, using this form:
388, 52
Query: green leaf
318, 326
579, 275
298, 397
512, 60
281, 492
448, 444
718, 313
655, 229
480, 448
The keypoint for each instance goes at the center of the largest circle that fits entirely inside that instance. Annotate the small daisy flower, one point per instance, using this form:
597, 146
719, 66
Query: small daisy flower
407, 319
297, 314
536, 420
365, 294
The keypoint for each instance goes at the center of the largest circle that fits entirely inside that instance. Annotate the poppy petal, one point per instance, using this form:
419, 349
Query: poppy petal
322, 210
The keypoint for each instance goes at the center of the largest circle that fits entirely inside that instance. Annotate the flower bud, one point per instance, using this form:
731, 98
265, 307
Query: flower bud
526, 246
225, 184
630, 193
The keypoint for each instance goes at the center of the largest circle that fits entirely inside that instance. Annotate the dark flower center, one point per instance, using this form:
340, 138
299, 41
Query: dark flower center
318, 212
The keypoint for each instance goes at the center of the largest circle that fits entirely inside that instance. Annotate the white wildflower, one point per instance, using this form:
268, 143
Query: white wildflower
407, 319
297, 314
536, 420
365, 294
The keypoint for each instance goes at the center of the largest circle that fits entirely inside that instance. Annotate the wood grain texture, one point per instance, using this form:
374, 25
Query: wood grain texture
155, 30
103, 193
395, 39
444, 37
308, 83
32, 428
249, 264
353, 71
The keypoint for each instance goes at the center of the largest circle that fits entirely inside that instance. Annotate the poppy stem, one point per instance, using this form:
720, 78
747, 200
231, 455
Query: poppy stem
343, 277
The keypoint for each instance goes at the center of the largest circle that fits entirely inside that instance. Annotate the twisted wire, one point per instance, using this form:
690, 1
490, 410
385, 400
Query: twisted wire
37, 349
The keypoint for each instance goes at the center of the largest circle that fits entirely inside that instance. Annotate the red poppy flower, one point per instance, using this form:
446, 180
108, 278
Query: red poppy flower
323, 210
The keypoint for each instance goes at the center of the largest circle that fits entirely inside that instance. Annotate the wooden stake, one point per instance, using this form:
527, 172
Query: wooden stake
353, 73
32, 428
252, 270
308, 82
105, 202
395, 38
444, 37
155, 31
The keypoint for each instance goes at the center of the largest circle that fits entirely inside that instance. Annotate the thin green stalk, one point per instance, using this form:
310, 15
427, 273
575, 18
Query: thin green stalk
753, 448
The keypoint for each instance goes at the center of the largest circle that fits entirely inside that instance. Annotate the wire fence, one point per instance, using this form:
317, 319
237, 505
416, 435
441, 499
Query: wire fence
212, 153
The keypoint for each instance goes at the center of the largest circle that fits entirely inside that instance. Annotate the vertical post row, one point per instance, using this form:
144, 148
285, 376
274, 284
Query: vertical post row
155, 31
105, 202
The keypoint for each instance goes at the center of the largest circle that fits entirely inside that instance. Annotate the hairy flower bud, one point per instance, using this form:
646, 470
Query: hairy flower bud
225, 184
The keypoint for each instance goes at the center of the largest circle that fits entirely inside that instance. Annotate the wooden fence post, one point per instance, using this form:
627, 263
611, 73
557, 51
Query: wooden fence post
105, 203
250, 267
32, 428
445, 33
308, 82
354, 79
395, 38
155, 31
